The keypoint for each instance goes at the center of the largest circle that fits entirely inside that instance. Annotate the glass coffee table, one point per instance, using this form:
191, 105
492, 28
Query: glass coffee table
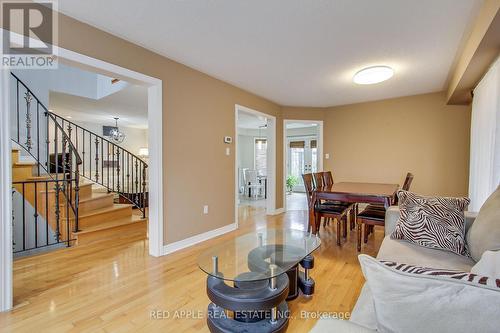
251, 277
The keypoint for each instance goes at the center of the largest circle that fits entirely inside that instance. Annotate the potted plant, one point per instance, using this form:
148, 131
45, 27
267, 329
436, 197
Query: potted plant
291, 181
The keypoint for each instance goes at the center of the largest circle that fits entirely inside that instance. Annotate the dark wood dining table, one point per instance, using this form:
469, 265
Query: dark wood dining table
355, 193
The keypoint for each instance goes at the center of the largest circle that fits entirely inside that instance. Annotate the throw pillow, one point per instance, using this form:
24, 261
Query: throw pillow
484, 233
415, 299
433, 222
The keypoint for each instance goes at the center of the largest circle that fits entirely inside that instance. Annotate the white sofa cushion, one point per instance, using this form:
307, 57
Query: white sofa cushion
401, 251
406, 302
484, 234
364, 312
433, 222
489, 265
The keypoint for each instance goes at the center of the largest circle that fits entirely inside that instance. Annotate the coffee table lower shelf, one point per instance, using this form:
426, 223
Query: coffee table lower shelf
257, 306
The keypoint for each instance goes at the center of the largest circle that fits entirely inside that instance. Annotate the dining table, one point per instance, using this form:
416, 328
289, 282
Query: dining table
353, 193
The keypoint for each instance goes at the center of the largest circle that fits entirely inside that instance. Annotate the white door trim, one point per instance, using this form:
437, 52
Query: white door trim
5, 197
155, 137
271, 160
155, 174
285, 150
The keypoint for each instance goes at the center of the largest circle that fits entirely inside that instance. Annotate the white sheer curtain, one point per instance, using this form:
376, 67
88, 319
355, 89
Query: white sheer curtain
485, 138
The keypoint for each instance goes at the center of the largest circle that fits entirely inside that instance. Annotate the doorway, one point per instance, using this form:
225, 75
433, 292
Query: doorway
303, 145
154, 98
255, 161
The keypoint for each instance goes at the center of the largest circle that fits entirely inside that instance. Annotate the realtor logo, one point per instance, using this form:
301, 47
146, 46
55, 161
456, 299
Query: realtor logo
28, 34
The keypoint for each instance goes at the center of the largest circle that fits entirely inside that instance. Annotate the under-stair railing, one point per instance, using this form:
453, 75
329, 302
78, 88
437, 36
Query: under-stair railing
109, 165
39, 142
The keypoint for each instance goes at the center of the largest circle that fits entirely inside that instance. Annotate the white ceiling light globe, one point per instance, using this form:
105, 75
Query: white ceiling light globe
372, 75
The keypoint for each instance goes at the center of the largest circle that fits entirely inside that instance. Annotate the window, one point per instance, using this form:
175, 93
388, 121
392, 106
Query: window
260, 155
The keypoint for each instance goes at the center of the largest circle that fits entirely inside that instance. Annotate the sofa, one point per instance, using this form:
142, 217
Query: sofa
363, 318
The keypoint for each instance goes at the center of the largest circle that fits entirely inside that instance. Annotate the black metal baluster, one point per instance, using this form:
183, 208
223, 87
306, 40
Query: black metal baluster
47, 213
38, 137
36, 214
132, 179
118, 168
102, 161
17, 109
107, 166
24, 218
57, 211
136, 190
144, 167
77, 196
123, 172
83, 152
129, 192
47, 141
28, 98
113, 174
64, 160
96, 159
67, 221
90, 155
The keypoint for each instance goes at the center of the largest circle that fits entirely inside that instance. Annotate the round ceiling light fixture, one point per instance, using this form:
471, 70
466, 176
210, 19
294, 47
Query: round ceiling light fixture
374, 74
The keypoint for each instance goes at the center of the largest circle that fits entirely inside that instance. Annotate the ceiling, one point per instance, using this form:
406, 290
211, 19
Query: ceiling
129, 104
251, 121
296, 52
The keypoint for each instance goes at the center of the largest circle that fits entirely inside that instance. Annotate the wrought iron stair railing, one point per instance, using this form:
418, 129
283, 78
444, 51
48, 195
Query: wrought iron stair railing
109, 165
39, 134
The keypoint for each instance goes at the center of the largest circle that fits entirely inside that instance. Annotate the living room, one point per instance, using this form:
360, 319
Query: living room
399, 87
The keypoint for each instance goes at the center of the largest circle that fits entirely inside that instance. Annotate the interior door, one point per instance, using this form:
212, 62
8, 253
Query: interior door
302, 158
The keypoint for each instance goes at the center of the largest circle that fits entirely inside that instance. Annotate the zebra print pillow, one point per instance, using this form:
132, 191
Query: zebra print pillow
452, 274
433, 222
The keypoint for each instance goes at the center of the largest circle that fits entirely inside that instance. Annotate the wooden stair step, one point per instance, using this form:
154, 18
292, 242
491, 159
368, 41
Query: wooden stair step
102, 215
93, 202
132, 226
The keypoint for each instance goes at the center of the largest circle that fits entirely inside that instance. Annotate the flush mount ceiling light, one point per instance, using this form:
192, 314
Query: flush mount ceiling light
372, 75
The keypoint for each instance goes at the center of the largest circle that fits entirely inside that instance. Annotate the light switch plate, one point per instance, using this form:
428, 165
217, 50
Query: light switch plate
327, 156
228, 151
205, 209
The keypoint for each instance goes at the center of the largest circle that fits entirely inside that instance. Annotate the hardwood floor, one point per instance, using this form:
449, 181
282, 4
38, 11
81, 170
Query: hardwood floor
114, 287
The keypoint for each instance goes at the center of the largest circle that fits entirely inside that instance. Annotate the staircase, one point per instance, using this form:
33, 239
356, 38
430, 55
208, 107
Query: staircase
76, 189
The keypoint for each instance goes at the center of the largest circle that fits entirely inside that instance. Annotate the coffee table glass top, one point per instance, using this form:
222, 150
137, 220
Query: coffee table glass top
258, 255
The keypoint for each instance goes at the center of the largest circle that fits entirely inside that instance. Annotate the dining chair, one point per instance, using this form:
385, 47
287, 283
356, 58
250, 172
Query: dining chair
406, 187
309, 187
374, 214
253, 186
327, 178
318, 179
337, 212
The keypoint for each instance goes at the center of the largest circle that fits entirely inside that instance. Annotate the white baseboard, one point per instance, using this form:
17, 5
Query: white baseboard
176, 246
277, 211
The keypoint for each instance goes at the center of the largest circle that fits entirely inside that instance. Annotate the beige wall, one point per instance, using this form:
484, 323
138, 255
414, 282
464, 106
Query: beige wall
198, 112
381, 141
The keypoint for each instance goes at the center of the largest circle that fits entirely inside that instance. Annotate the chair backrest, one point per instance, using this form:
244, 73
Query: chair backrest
408, 181
328, 178
250, 176
318, 179
308, 183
